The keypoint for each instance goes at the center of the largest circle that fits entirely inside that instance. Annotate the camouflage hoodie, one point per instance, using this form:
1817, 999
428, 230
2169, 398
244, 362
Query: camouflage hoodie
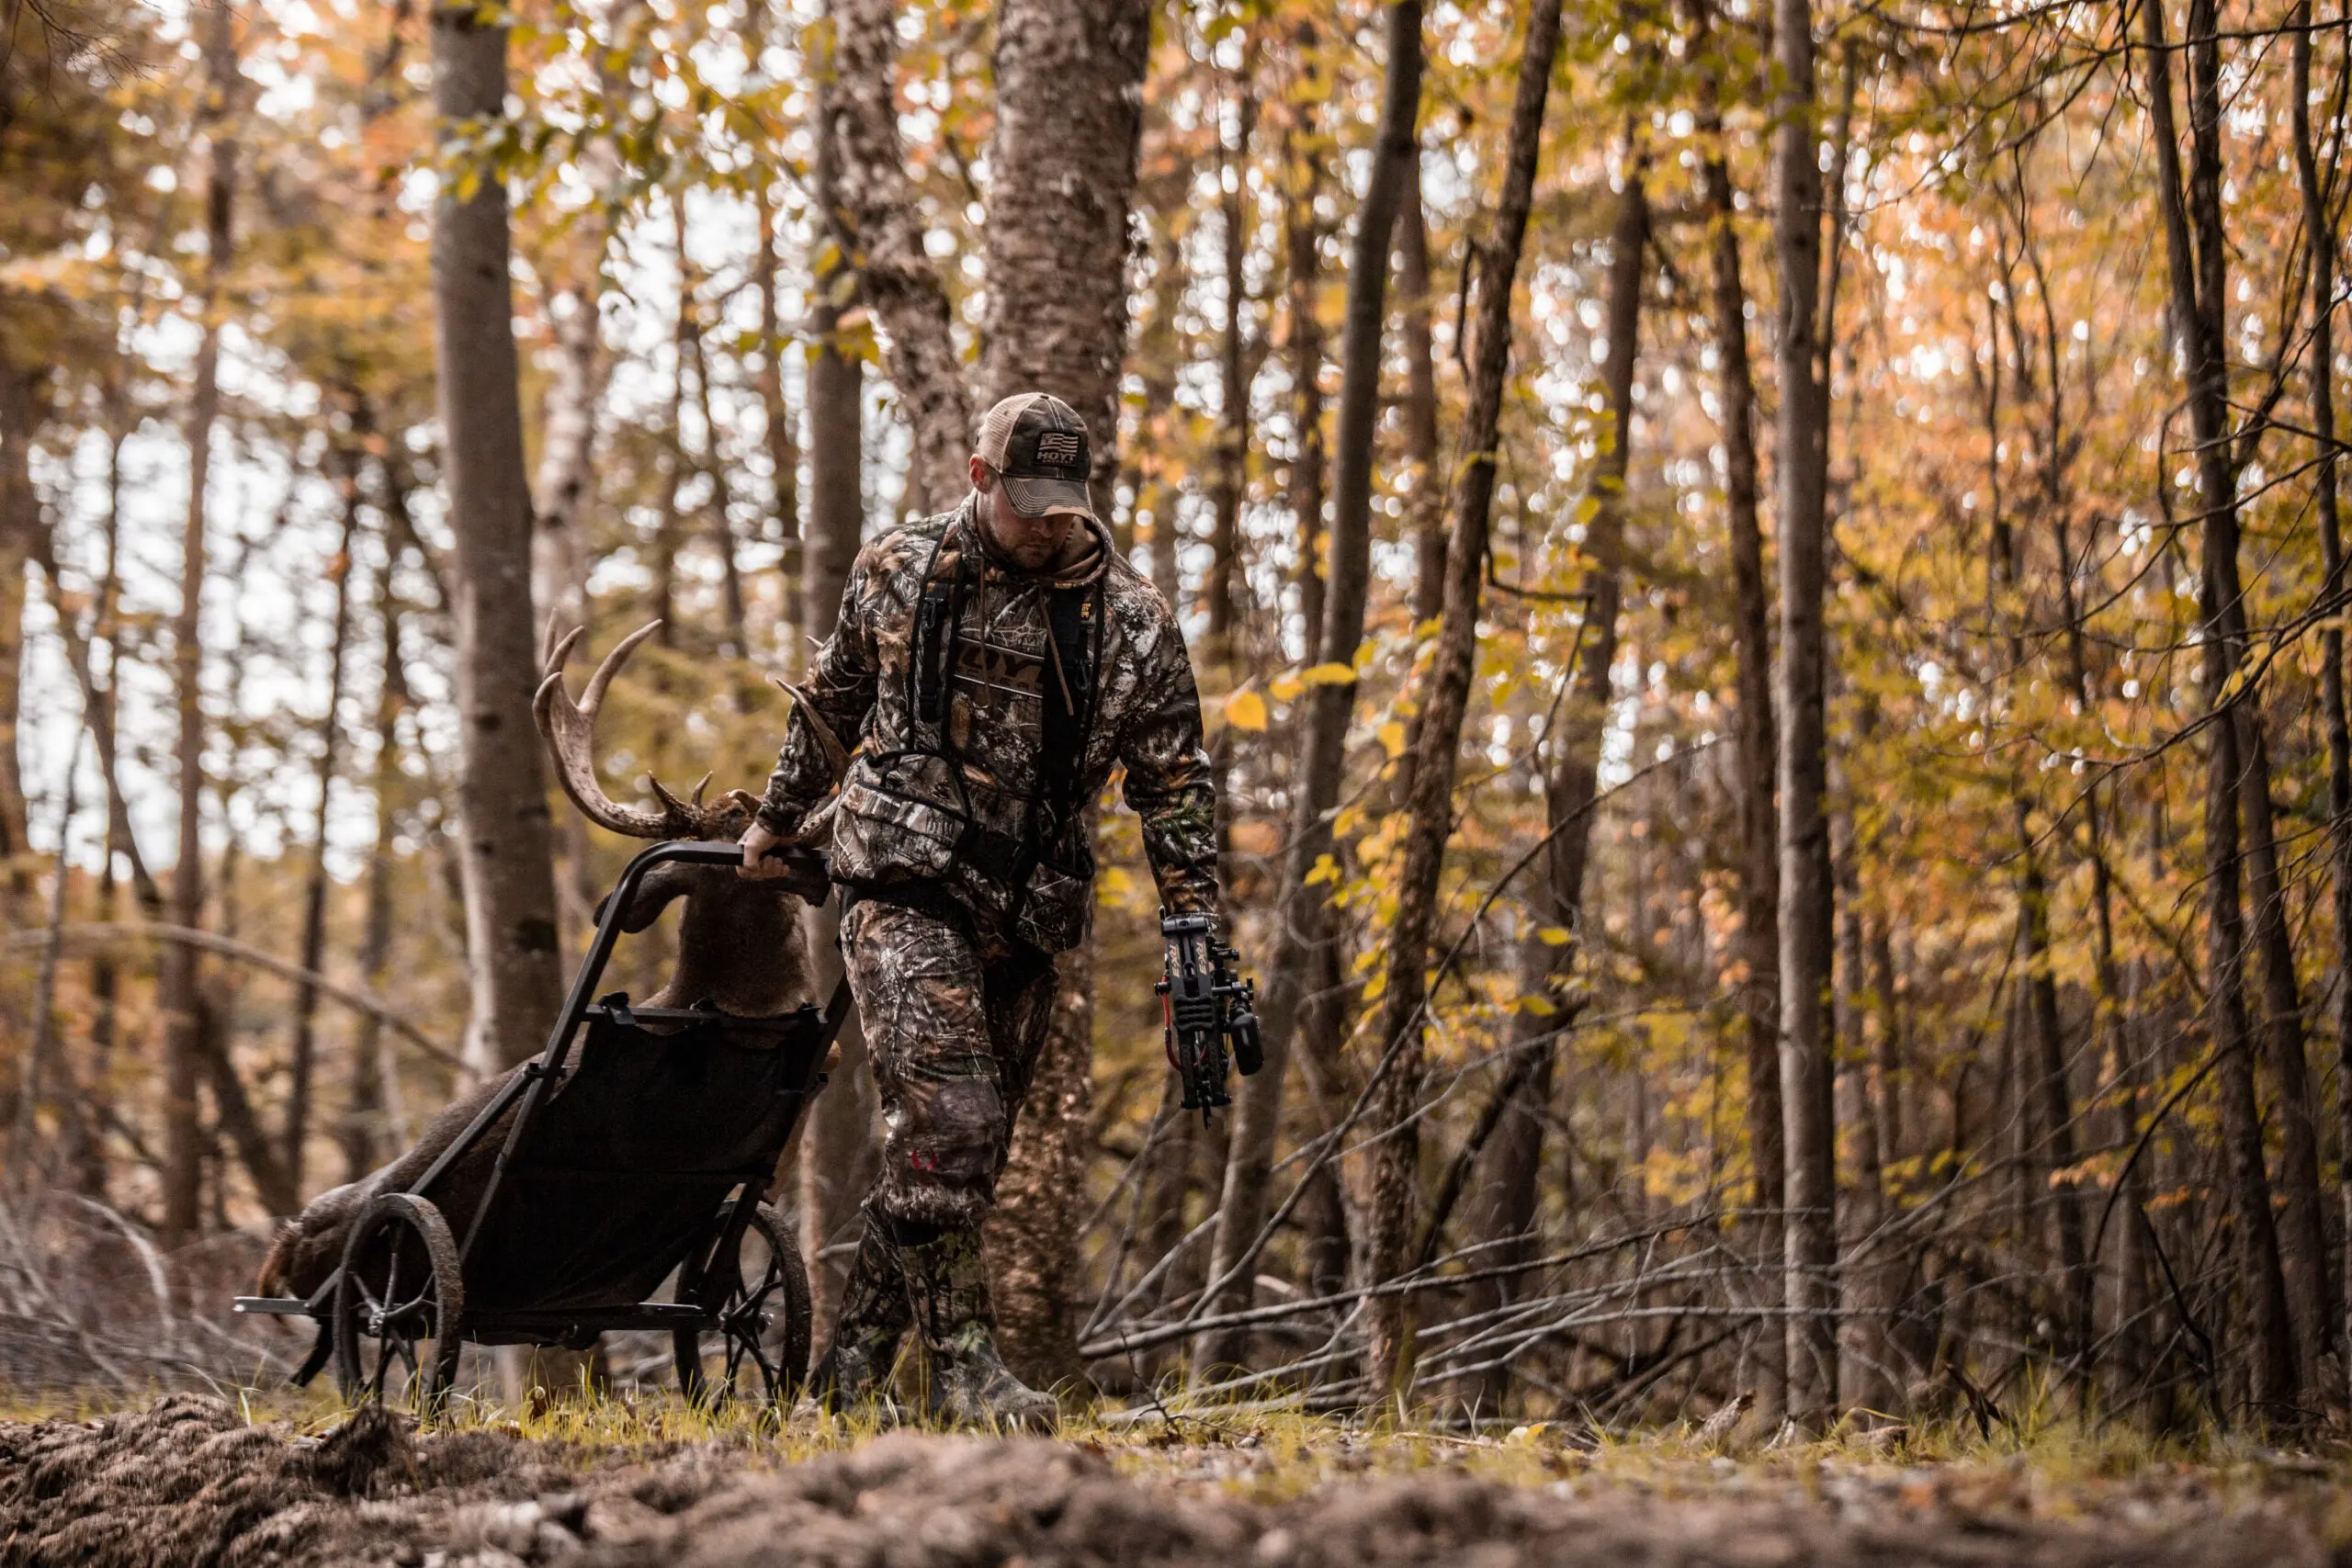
966, 794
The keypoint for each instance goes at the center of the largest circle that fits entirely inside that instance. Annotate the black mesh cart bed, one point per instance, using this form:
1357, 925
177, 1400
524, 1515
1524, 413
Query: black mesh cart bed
641, 1147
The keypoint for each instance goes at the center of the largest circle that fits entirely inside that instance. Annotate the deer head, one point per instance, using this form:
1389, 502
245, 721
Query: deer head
741, 945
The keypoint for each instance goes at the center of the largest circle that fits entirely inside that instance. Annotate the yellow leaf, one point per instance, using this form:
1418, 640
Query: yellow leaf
1538, 1005
1391, 738
1556, 936
1245, 710
1285, 688
1325, 870
1333, 674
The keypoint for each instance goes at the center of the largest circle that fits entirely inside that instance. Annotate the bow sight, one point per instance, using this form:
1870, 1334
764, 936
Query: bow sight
1201, 1007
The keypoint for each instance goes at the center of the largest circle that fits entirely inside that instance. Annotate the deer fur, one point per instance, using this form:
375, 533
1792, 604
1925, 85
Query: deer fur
742, 947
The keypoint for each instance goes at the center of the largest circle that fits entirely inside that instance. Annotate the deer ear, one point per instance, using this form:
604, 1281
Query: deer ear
661, 885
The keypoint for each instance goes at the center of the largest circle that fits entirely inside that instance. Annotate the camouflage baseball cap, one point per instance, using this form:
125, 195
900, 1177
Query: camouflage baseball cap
1037, 443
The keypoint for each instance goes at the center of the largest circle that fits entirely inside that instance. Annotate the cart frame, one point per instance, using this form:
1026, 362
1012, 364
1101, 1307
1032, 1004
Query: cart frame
337, 1308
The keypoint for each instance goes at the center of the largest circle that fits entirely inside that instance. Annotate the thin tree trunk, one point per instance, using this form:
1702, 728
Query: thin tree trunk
1257, 1107
1504, 1213
1425, 507
1394, 1160
1759, 946
2197, 270
2303, 1241
877, 221
1303, 936
178, 997
1807, 1071
99, 714
1864, 1358
561, 492
723, 503
2046, 1153
314, 892
502, 797
1069, 123
366, 1133
564, 484
1233, 408
837, 1146
2320, 234
34, 1085
778, 423
20, 521
1032, 1234
669, 527
1302, 237
1158, 352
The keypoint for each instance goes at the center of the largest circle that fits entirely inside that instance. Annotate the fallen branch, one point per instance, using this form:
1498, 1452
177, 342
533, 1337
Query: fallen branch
100, 933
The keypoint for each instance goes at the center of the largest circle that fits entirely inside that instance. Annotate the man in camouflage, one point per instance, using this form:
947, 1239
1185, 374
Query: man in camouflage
991, 666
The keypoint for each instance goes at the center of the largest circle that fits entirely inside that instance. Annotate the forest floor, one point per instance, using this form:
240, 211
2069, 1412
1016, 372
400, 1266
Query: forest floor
200, 1479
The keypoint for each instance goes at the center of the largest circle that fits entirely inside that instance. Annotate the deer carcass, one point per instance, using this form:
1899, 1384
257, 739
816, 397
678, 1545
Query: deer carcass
741, 948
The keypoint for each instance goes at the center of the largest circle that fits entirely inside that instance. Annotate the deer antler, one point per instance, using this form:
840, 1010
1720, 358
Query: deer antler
570, 728
836, 754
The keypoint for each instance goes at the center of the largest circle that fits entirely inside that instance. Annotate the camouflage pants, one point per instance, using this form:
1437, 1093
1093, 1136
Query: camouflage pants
953, 1019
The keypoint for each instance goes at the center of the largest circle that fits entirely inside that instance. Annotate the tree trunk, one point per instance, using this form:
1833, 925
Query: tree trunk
1863, 1361
33, 1085
735, 643
564, 485
368, 1132
562, 491
838, 1157
1395, 1160
177, 987
502, 797
1159, 350
2320, 235
1512, 1162
99, 714
2199, 276
1303, 243
877, 221
2302, 1238
777, 424
1758, 945
669, 527
1031, 1234
1233, 406
314, 892
1807, 1071
1302, 936
2047, 1131
1425, 507
1257, 1100
20, 395
1069, 123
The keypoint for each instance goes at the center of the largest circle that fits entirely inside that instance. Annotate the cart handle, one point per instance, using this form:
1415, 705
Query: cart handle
549, 1062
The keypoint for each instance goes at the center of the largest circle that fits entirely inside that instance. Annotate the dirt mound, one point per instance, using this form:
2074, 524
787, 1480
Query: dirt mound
188, 1482
925, 1502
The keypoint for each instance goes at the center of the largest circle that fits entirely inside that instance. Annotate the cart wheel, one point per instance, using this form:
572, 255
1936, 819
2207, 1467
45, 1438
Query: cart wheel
398, 1304
761, 1349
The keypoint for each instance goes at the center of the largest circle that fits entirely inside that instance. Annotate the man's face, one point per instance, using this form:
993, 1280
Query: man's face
1034, 542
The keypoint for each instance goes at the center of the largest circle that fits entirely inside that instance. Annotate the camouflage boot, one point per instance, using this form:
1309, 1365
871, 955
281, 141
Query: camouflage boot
873, 1319
948, 1284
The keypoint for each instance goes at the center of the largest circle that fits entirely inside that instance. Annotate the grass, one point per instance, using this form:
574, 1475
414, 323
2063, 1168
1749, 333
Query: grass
2045, 1462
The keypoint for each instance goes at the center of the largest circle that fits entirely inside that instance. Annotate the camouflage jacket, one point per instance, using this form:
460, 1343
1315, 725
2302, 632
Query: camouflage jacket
957, 795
